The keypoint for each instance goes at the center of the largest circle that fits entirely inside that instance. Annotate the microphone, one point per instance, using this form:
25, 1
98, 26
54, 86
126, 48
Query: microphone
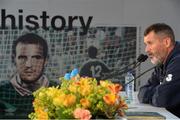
139, 76
140, 59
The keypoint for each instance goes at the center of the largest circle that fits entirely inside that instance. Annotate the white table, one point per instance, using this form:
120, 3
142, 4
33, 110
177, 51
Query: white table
139, 107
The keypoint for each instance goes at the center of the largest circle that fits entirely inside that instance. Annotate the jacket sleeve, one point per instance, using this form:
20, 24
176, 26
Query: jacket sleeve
147, 91
168, 93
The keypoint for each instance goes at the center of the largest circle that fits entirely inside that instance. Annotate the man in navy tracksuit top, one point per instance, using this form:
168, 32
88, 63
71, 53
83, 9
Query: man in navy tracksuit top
163, 88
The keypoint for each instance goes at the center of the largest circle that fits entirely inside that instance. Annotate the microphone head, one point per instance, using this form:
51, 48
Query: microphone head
142, 58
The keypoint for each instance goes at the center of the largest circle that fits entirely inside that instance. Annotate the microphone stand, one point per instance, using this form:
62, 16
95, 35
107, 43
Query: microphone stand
139, 76
140, 59
123, 70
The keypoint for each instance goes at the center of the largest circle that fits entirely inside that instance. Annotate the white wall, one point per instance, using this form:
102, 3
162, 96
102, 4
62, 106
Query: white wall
106, 12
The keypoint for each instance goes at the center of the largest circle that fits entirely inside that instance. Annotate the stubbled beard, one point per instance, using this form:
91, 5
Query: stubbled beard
31, 81
156, 61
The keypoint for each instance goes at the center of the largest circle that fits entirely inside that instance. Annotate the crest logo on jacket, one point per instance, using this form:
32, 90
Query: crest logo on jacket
169, 77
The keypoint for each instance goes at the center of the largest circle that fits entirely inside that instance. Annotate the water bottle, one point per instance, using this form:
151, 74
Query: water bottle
129, 88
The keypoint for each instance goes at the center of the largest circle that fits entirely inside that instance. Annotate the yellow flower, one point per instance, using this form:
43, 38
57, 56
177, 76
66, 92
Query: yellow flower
73, 87
52, 92
110, 99
58, 100
84, 81
41, 114
69, 100
85, 87
104, 84
85, 102
41, 94
36, 102
115, 88
84, 90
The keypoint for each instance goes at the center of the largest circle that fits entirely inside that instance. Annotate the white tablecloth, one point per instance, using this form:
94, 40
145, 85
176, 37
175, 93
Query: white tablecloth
139, 107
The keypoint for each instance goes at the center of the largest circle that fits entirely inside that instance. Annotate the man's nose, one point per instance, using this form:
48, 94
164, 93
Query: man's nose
28, 63
146, 49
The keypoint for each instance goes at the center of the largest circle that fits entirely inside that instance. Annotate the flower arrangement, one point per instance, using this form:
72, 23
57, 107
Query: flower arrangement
78, 97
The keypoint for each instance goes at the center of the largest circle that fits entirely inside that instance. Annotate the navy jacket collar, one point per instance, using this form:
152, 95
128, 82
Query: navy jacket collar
173, 53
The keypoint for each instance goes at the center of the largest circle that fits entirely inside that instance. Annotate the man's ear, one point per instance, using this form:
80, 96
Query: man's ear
167, 42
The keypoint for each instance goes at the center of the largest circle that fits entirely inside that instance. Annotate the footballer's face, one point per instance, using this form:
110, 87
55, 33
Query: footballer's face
29, 61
